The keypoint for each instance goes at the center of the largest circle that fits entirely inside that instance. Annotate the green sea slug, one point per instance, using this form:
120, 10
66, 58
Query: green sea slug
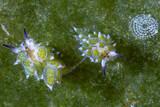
38, 61
98, 47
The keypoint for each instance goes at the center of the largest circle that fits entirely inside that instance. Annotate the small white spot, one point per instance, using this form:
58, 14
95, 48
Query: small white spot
83, 54
17, 62
92, 60
85, 51
80, 48
94, 33
42, 77
60, 66
108, 36
80, 35
104, 35
87, 41
50, 87
27, 76
16, 50
114, 44
99, 34
112, 53
103, 62
84, 40
36, 75
52, 57
89, 36
75, 29
96, 60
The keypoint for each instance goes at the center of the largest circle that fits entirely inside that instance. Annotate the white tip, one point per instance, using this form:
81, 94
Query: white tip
27, 76
99, 34
83, 54
94, 33
50, 87
114, 44
92, 60
80, 35
22, 46
85, 51
60, 66
87, 41
108, 36
84, 40
104, 35
80, 48
42, 77
96, 60
103, 62
112, 53
16, 50
149, 15
75, 29
156, 31
36, 76
52, 57
17, 62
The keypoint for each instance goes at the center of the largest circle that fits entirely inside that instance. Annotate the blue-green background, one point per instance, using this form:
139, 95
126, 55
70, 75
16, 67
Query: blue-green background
133, 80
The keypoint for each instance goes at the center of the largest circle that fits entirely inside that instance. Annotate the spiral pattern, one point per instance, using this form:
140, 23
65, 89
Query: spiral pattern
143, 26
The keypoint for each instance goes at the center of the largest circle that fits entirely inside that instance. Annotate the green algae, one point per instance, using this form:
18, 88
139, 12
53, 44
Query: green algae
131, 80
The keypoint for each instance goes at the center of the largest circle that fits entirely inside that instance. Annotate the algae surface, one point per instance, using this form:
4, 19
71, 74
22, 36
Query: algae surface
131, 81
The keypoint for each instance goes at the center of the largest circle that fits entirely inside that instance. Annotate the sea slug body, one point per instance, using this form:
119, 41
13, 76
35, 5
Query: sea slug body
98, 47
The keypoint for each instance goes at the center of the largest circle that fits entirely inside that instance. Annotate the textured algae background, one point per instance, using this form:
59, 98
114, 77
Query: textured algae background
131, 81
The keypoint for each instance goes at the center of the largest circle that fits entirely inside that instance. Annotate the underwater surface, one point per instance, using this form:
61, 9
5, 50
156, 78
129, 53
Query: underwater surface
132, 80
